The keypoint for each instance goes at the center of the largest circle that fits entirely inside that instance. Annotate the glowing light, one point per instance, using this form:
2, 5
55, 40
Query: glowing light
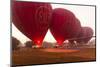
59, 42
38, 42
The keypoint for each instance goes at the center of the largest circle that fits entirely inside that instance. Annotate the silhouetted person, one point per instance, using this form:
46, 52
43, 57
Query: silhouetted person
15, 43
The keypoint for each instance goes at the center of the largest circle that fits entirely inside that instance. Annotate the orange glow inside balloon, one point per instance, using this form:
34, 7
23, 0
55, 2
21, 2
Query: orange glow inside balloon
59, 42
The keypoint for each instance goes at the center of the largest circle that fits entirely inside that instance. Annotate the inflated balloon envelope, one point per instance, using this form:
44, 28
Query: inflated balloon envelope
32, 19
64, 25
85, 35
77, 32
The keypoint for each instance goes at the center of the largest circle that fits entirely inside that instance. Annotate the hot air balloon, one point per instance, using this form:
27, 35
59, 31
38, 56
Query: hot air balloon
77, 32
63, 25
85, 35
32, 19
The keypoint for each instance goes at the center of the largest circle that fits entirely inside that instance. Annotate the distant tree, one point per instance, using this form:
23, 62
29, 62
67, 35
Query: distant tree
29, 44
15, 43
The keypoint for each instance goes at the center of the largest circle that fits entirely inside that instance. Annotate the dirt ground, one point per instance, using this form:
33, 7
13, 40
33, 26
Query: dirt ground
29, 56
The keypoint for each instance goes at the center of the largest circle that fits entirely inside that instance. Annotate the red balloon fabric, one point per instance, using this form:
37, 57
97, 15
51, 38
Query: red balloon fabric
85, 35
63, 25
32, 19
77, 32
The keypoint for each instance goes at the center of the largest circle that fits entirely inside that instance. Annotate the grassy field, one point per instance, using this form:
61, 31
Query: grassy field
29, 56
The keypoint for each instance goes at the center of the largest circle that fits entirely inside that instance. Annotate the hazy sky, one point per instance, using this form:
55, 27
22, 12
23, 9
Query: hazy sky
85, 14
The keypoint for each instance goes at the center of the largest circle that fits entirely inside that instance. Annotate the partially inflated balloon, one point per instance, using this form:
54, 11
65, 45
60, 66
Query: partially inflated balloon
63, 24
32, 19
85, 35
